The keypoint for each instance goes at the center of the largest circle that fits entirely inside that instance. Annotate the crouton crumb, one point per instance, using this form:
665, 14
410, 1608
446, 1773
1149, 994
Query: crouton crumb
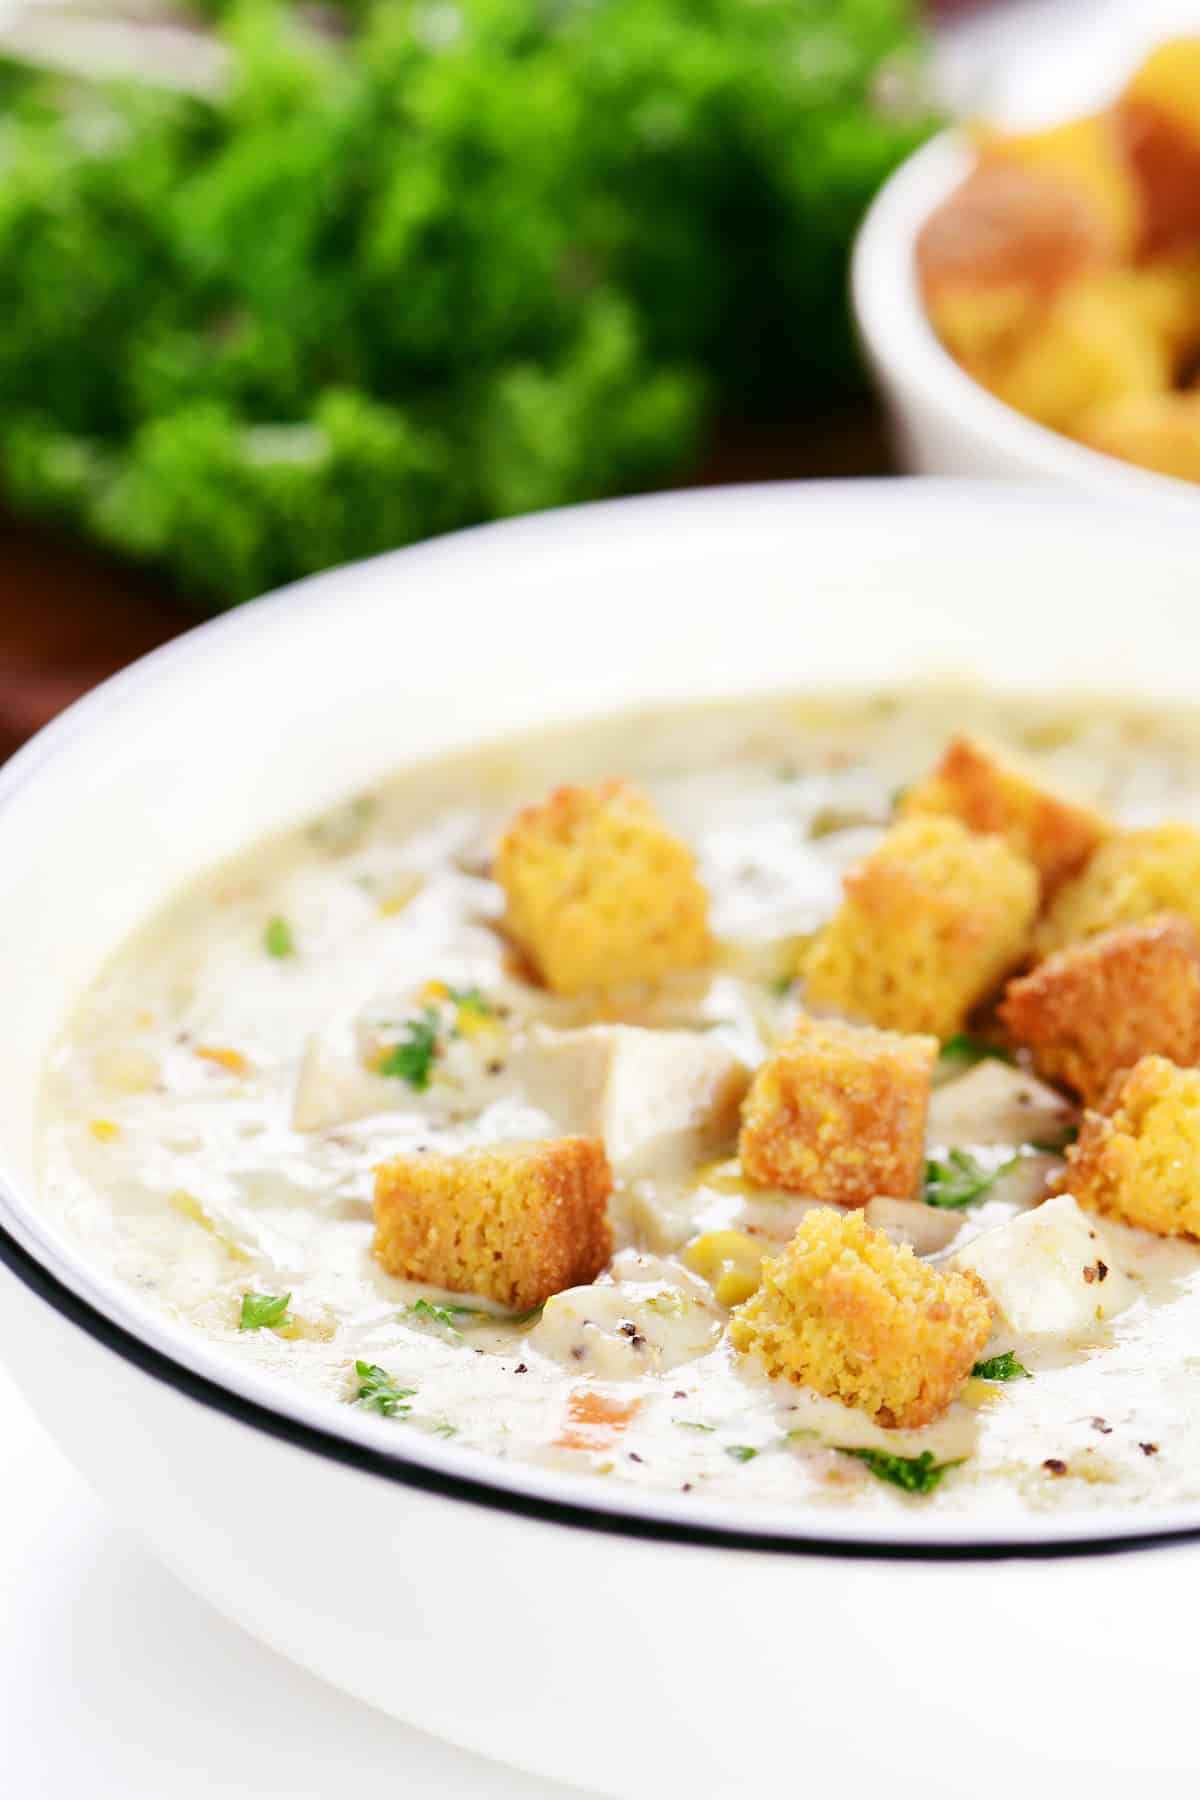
838, 1113
929, 924
1099, 1006
599, 891
843, 1311
992, 790
1133, 876
512, 1222
1138, 1160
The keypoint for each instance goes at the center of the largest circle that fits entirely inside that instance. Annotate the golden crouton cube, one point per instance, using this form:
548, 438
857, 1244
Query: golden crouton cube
838, 1113
599, 891
990, 789
929, 924
1132, 876
1097, 1007
1139, 1159
512, 1222
1156, 431
845, 1312
1094, 345
1087, 158
1158, 118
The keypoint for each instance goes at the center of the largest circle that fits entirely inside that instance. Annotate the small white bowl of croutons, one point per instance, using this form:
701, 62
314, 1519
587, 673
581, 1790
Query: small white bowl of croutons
1029, 302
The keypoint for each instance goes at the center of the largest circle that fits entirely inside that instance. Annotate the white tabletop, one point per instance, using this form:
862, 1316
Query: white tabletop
116, 1684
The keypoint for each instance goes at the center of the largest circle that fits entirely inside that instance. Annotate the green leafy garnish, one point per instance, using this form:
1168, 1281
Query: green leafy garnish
379, 1392
964, 1051
783, 985
694, 1425
741, 1452
413, 1057
262, 1311
1004, 1367
915, 1474
959, 1179
444, 1429
443, 1315
277, 937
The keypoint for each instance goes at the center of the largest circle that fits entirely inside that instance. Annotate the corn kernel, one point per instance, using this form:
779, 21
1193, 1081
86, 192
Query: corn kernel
104, 1130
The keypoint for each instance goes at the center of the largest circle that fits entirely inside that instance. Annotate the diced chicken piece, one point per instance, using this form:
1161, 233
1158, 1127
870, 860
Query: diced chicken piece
1050, 1272
661, 1100
334, 1087
640, 1323
995, 1103
925, 1229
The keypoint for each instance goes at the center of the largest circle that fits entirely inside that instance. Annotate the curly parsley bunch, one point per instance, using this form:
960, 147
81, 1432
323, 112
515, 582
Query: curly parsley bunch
413, 264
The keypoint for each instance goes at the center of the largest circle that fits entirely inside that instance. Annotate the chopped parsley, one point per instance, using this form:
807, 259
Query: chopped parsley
915, 1474
1004, 1367
741, 1452
277, 937
262, 1311
694, 1425
413, 1057
379, 1392
965, 1050
439, 1314
959, 1179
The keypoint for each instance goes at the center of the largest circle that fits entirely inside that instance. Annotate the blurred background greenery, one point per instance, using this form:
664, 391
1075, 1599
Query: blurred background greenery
339, 277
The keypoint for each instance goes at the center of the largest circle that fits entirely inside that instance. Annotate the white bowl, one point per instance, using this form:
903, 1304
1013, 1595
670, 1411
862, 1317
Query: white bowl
943, 421
631, 1643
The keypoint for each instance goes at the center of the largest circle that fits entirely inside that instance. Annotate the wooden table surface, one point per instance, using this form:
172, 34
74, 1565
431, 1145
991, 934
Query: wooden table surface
69, 615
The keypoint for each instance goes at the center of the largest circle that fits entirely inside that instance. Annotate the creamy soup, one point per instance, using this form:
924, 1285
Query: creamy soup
216, 1109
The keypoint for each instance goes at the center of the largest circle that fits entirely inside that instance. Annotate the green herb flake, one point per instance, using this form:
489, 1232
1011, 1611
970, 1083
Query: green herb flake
263, 1311
277, 937
413, 1057
694, 1425
741, 1452
446, 1315
960, 1180
379, 1392
1004, 1367
471, 1002
783, 985
914, 1474
965, 1050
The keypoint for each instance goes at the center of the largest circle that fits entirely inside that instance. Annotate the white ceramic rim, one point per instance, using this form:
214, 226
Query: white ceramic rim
903, 347
52, 1266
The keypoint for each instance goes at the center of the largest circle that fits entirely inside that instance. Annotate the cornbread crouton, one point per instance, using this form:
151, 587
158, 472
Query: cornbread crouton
991, 790
845, 1312
838, 1113
1155, 431
929, 924
1158, 116
512, 1222
599, 891
659, 1099
1139, 1159
1097, 1007
1049, 1271
1131, 877
1085, 157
